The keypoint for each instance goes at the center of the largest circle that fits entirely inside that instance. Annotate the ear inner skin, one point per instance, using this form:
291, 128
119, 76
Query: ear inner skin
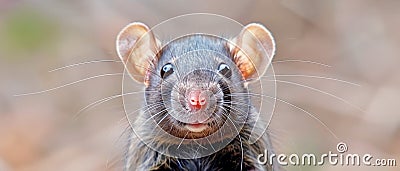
253, 50
137, 47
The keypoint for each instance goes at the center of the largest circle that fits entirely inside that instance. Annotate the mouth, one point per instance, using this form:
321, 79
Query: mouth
196, 127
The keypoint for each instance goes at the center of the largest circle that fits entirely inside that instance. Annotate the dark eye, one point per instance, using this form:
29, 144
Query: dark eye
224, 70
167, 70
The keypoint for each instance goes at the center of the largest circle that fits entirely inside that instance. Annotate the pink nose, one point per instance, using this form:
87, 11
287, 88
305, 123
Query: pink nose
197, 99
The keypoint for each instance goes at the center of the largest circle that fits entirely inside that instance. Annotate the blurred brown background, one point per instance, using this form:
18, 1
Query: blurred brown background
358, 39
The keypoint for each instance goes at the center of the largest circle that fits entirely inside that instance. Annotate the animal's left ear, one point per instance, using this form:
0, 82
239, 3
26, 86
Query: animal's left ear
253, 50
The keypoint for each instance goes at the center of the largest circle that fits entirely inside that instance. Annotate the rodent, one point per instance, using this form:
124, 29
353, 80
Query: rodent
193, 86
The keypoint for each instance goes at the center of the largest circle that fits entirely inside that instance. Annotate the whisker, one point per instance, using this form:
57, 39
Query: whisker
224, 113
196, 154
158, 124
241, 147
237, 103
241, 112
152, 70
158, 113
321, 91
219, 117
112, 161
182, 140
209, 142
241, 144
313, 76
82, 63
230, 85
298, 108
69, 84
163, 117
178, 73
152, 141
304, 61
200, 145
146, 107
103, 100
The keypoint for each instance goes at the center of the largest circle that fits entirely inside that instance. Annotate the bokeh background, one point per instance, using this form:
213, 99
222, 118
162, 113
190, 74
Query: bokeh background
357, 41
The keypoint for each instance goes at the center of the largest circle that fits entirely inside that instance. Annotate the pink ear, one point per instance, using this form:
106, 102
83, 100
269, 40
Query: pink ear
253, 50
137, 47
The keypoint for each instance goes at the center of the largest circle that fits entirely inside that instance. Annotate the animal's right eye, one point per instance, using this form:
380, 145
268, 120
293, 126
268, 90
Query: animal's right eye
167, 70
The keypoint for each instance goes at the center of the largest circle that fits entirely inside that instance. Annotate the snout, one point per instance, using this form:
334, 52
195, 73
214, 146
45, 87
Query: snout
194, 100
198, 99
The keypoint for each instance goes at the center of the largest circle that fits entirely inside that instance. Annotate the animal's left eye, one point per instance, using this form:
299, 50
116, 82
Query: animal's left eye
224, 70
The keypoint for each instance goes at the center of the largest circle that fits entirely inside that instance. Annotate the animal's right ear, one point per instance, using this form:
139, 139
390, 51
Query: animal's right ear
137, 47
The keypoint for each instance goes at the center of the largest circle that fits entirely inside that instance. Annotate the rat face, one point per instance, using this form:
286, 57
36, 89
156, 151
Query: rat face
198, 82
196, 87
